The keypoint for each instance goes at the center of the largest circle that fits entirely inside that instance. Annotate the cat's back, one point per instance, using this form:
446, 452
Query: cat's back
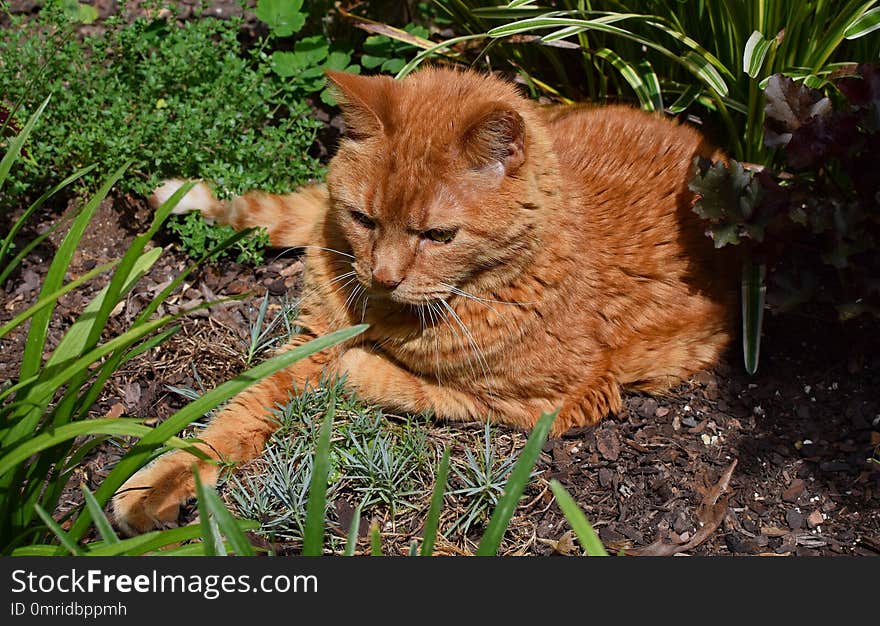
623, 142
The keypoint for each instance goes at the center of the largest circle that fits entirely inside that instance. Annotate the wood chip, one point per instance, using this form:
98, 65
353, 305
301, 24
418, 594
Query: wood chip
608, 444
815, 518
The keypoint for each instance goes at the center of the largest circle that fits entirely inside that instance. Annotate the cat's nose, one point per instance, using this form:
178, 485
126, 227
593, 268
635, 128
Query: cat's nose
386, 277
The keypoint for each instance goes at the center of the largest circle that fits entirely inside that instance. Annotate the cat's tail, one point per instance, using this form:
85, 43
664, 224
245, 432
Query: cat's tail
290, 219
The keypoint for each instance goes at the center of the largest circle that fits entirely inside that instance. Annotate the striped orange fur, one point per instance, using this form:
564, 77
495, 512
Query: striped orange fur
510, 260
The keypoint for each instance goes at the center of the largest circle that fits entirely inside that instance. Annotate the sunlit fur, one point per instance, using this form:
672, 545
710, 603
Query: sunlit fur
576, 265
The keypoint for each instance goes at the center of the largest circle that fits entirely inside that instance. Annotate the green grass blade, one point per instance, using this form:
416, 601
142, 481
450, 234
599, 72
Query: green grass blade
52, 297
63, 537
313, 535
227, 524
174, 424
76, 339
754, 54
15, 145
26, 249
36, 337
105, 426
432, 523
215, 519
754, 291
516, 484
101, 522
587, 537
20, 222
652, 84
861, 26
630, 75
424, 54
212, 543
353, 530
43, 390
686, 99
39, 549
375, 540
155, 540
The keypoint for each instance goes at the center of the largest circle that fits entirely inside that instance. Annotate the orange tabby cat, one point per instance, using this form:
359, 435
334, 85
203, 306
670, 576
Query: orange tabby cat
510, 259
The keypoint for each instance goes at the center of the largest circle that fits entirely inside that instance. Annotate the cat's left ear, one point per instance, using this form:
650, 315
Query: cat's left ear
495, 139
365, 102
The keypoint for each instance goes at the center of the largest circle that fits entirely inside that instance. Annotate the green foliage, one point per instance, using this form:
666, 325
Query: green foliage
178, 100
713, 56
815, 222
482, 477
197, 237
389, 55
44, 414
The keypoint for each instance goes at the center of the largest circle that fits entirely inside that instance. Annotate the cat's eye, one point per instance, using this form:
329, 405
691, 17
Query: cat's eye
440, 235
363, 219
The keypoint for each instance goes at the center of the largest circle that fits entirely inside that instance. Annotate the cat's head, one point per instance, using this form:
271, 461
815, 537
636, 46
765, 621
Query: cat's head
434, 185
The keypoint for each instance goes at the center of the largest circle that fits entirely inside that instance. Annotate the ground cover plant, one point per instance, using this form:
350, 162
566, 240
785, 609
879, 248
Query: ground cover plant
659, 479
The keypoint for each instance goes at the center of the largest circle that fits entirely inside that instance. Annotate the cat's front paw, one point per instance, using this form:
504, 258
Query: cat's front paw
151, 498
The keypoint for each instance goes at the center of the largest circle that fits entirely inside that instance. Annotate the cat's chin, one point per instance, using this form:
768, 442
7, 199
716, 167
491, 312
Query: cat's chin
395, 298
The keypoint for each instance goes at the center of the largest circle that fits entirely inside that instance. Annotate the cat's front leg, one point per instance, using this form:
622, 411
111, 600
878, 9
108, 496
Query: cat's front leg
377, 380
151, 498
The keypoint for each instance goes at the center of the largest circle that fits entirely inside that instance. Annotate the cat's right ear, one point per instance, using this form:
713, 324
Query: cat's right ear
365, 102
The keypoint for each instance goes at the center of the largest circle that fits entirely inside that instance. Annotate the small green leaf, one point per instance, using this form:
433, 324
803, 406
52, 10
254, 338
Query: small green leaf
312, 50
286, 64
338, 60
283, 17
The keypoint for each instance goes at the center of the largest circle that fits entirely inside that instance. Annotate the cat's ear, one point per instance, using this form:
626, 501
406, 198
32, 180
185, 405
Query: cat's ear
495, 139
365, 102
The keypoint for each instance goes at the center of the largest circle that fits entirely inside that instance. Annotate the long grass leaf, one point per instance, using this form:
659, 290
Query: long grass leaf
587, 537
36, 338
861, 26
13, 148
105, 529
211, 541
155, 540
753, 296
104, 426
375, 540
432, 522
516, 484
353, 530
63, 537
20, 222
313, 534
52, 297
